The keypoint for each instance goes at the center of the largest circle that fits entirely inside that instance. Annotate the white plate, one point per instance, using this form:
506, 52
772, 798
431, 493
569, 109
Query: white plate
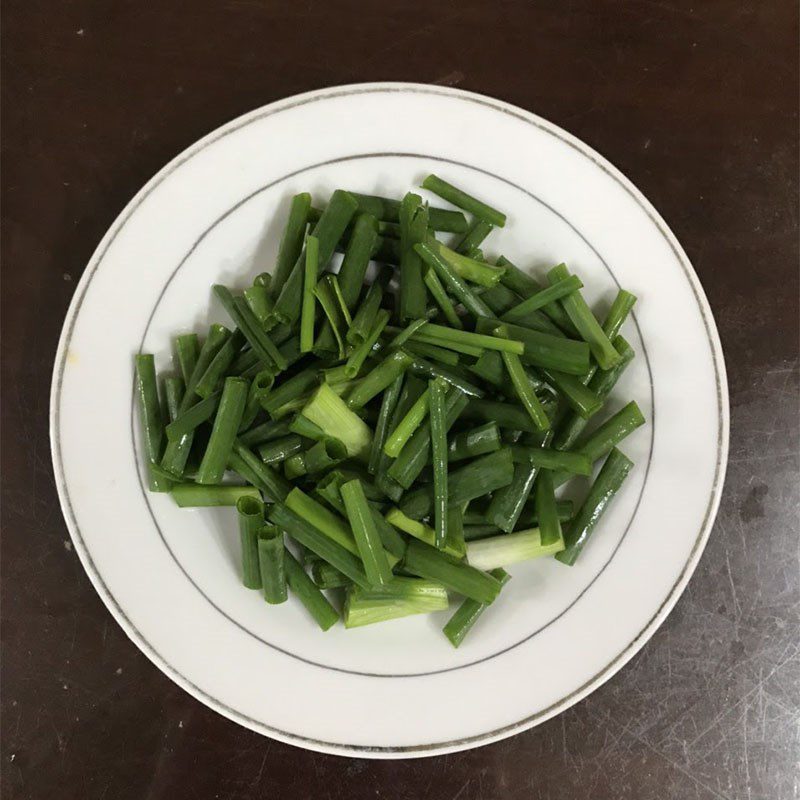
169, 576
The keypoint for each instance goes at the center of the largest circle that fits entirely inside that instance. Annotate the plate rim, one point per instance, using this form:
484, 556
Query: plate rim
475, 740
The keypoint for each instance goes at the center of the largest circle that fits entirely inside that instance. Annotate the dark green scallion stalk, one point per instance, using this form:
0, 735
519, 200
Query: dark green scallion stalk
402, 337
263, 279
400, 598
525, 286
445, 337
481, 476
365, 531
454, 545
414, 456
364, 320
438, 415
555, 291
351, 274
464, 201
327, 577
413, 230
190, 420
474, 532
505, 415
251, 519
525, 391
379, 379
359, 355
469, 612
211, 380
586, 323
173, 393
260, 302
580, 397
546, 509
431, 280
507, 503
187, 350
309, 306
280, 449
259, 474
291, 241
309, 594
546, 458
272, 565
469, 269
306, 428
501, 299
388, 210
176, 453
328, 231
618, 313
152, 422
612, 432
192, 495
543, 349
405, 428
606, 485
223, 433
289, 390
473, 238
326, 294
454, 283
601, 383
429, 563
424, 350
251, 328
333, 526
318, 542
455, 376
260, 387
474, 442
388, 405
267, 431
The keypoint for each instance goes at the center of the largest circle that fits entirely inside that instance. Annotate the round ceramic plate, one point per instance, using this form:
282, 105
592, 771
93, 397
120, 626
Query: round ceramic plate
170, 576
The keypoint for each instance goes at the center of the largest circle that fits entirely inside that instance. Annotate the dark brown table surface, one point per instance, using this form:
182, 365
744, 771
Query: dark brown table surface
695, 102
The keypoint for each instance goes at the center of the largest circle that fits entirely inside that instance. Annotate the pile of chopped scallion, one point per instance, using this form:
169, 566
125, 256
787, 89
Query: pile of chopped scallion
394, 445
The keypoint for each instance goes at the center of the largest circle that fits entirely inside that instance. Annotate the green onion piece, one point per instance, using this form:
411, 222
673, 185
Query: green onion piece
546, 510
427, 562
413, 230
359, 355
291, 241
419, 530
546, 458
473, 238
525, 391
280, 449
407, 425
468, 268
388, 405
260, 302
258, 473
219, 367
438, 414
474, 442
271, 563
333, 526
388, 210
469, 612
328, 577
439, 294
423, 349
325, 293
586, 323
535, 302
309, 292
369, 544
464, 201
454, 283
223, 433
188, 421
379, 379
266, 431
152, 421
309, 594
479, 477
509, 548
187, 350
610, 478
401, 598
364, 320
251, 519
330, 413
192, 495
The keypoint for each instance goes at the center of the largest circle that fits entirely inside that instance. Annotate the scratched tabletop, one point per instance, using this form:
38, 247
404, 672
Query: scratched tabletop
696, 102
